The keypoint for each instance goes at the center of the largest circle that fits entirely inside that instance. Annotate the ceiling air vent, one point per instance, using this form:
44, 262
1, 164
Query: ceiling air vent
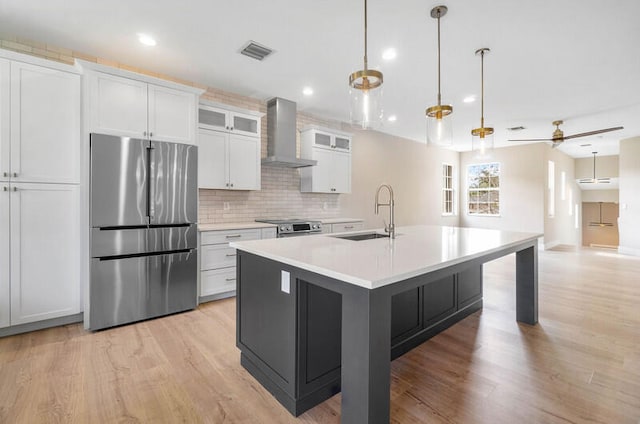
518, 128
256, 51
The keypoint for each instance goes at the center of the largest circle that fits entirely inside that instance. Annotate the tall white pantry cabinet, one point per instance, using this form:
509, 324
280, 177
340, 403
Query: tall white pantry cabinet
40, 105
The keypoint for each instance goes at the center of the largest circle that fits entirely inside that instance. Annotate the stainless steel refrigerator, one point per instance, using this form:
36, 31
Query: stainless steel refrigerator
143, 230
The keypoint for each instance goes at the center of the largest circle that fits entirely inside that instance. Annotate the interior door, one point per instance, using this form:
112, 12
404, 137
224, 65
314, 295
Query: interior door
173, 190
119, 181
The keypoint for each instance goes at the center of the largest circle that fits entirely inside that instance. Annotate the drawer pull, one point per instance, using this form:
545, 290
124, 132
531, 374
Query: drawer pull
348, 227
229, 255
234, 236
230, 279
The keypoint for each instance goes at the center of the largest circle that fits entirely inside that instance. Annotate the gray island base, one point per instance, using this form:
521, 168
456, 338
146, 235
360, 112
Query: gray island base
310, 325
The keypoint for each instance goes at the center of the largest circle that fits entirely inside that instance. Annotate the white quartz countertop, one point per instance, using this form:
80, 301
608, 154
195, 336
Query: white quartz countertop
234, 226
375, 263
336, 220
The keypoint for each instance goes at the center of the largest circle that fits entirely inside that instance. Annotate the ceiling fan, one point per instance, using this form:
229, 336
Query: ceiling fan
594, 180
558, 136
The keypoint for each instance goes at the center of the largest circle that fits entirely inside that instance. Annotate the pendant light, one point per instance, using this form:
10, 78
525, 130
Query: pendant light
482, 138
365, 91
439, 125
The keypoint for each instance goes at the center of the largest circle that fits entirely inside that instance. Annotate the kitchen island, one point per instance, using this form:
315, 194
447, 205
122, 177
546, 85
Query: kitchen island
320, 314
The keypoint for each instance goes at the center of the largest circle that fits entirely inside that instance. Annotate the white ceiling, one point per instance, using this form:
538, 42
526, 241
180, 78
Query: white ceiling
575, 60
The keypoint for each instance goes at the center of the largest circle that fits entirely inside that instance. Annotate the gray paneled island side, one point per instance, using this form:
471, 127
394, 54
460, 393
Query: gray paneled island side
320, 314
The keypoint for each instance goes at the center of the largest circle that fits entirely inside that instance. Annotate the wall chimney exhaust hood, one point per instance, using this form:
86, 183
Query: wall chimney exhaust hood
281, 135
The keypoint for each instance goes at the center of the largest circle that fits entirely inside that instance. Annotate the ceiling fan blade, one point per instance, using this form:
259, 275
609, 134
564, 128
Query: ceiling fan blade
533, 139
584, 134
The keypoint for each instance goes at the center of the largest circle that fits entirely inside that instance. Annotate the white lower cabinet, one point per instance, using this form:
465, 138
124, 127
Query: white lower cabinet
218, 260
43, 252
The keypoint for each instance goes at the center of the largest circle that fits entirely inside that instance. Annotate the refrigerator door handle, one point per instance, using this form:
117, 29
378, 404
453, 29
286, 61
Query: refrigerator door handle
152, 184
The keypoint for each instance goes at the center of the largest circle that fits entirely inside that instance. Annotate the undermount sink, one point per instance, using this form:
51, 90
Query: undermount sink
362, 236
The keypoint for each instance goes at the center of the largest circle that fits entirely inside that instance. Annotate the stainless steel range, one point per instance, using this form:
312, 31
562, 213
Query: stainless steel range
294, 227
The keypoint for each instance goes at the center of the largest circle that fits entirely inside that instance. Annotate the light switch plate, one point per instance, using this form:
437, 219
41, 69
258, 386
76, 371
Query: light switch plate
285, 282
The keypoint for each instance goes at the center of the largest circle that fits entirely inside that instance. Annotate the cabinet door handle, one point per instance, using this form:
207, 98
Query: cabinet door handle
5, 174
230, 255
231, 184
144, 133
234, 236
15, 175
231, 128
348, 227
5, 188
15, 189
150, 134
230, 279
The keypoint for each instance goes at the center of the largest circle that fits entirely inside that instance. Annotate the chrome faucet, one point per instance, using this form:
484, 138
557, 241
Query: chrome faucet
391, 228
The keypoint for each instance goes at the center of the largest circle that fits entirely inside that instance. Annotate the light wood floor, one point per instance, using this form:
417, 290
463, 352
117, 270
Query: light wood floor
581, 364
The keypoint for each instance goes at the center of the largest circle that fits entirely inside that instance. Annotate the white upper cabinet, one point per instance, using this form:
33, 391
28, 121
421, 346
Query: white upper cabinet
135, 105
45, 125
229, 146
172, 114
39, 124
117, 106
5, 118
332, 151
237, 122
228, 161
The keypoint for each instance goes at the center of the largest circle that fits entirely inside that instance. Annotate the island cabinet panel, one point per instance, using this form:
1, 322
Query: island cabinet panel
439, 300
406, 314
469, 286
319, 331
267, 320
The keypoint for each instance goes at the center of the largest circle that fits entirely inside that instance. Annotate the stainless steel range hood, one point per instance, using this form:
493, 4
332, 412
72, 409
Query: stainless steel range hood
281, 135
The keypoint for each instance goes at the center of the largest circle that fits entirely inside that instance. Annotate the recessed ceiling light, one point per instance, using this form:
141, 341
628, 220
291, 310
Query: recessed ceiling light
585, 145
147, 40
307, 91
469, 99
392, 118
389, 54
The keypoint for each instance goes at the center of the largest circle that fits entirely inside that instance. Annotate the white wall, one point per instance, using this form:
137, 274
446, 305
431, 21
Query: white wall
522, 184
630, 196
561, 227
414, 170
610, 196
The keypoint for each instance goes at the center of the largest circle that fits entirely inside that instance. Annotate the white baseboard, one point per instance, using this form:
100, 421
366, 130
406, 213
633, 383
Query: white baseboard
628, 251
551, 244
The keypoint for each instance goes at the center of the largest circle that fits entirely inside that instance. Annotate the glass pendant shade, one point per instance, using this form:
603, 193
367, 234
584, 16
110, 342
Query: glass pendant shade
366, 107
440, 127
482, 142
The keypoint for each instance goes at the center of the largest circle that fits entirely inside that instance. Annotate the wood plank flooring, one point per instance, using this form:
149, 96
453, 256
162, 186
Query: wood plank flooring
581, 364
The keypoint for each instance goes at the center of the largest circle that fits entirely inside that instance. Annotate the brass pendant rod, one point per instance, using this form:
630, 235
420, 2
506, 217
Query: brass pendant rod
482, 89
365, 35
439, 95
594, 165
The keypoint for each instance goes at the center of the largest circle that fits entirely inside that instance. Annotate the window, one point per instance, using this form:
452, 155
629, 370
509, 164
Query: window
447, 190
483, 189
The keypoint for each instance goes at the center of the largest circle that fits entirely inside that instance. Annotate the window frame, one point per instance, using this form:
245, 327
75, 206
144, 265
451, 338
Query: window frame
445, 190
486, 189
